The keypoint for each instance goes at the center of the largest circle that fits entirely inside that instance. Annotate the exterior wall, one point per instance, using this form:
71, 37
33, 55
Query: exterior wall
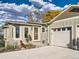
42, 36
69, 22
35, 42
8, 34
10, 37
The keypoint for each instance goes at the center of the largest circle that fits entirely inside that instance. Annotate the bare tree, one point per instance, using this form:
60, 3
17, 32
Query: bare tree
35, 16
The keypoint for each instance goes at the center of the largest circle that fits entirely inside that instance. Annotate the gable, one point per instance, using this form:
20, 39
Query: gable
67, 15
71, 11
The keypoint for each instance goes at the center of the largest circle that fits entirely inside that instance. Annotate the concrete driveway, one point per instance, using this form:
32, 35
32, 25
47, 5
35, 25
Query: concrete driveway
49, 52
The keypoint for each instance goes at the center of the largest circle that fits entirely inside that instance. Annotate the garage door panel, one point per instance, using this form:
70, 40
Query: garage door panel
61, 38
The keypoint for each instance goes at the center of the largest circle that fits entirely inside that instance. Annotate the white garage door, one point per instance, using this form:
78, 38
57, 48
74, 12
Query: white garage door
61, 37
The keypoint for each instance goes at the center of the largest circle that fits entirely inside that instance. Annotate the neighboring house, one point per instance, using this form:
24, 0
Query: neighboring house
61, 31
64, 29
16, 31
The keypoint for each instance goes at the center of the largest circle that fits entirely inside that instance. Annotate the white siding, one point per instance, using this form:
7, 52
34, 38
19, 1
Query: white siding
69, 22
41, 35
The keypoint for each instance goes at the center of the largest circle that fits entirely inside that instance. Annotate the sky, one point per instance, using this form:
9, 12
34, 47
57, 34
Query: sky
64, 2
56, 2
20, 9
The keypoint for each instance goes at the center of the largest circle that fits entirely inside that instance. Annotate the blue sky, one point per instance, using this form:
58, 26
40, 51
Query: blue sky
56, 2
16, 1
64, 2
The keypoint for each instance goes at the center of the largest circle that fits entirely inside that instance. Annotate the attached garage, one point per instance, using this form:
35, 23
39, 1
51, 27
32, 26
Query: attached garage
61, 36
64, 29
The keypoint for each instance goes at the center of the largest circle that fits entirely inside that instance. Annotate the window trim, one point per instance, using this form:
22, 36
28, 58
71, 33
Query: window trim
36, 34
16, 32
25, 32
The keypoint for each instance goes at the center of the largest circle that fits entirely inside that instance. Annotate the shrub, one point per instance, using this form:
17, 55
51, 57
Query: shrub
29, 38
2, 49
29, 46
10, 47
2, 42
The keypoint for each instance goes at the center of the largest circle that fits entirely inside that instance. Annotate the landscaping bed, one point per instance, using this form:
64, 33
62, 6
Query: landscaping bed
16, 48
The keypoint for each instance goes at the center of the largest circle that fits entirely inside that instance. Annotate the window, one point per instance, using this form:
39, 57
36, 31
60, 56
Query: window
12, 32
17, 32
69, 28
54, 29
6, 33
35, 33
58, 29
63, 29
43, 29
26, 32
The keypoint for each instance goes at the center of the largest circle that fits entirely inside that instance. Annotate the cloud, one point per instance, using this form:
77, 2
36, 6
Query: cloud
13, 7
66, 6
40, 2
21, 12
50, 0
13, 11
78, 3
25, 9
45, 6
50, 6
2, 12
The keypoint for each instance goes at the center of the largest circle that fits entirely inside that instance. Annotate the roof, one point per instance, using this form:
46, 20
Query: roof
66, 14
22, 23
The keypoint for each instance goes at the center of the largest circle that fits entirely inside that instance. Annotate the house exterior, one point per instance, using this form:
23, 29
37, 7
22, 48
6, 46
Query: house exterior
64, 29
14, 32
61, 31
